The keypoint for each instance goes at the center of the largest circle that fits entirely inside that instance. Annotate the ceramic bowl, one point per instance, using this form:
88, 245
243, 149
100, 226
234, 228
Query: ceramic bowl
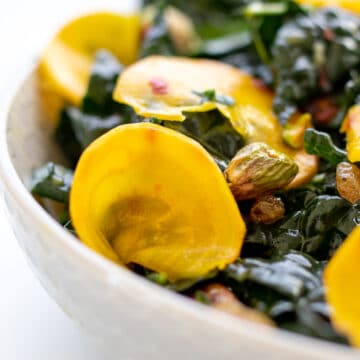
133, 317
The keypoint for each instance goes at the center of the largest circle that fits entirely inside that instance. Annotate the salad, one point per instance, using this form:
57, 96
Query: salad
213, 147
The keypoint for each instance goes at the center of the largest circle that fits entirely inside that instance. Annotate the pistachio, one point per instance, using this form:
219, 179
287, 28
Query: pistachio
267, 209
219, 297
258, 169
348, 181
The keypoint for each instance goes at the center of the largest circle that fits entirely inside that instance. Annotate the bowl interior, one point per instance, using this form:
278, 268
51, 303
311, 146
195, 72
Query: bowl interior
30, 130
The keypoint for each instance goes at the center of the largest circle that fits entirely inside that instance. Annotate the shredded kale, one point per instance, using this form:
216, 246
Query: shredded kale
157, 39
53, 182
78, 127
320, 144
208, 15
264, 19
226, 26
213, 131
88, 128
66, 139
350, 97
211, 95
105, 71
288, 288
314, 224
248, 61
312, 55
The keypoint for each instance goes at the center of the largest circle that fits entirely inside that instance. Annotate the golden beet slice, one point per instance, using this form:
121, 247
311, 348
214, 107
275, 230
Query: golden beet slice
163, 87
342, 283
66, 63
149, 195
351, 126
350, 5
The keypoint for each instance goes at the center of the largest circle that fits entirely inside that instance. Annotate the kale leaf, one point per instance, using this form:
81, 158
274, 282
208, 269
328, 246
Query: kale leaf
320, 144
104, 73
248, 60
66, 138
52, 181
88, 128
316, 224
157, 39
78, 127
227, 26
264, 19
211, 95
312, 54
288, 288
207, 12
350, 97
213, 131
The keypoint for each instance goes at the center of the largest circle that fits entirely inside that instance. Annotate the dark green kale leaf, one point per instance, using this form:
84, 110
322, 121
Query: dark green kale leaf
314, 54
227, 26
211, 95
250, 47
320, 143
66, 139
315, 224
78, 129
213, 131
104, 73
157, 39
324, 183
207, 12
98, 113
350, 97
65, 220
264, 19
288, 288
248, 60
52, 181
88, 128
98, 99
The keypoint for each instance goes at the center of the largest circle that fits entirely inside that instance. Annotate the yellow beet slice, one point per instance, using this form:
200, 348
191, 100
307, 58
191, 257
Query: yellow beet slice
146, 194
351, 5
351, 126
162, 87
342, 283
66, 62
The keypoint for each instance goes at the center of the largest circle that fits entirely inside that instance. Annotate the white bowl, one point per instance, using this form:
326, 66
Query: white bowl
135, 318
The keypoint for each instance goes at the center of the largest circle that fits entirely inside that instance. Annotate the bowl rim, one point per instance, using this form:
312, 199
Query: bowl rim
154, 294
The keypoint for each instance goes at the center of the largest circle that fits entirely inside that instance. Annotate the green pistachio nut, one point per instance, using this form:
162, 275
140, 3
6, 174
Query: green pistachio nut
258, 169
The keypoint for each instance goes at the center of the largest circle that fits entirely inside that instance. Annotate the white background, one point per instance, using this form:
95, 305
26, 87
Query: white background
32, 326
